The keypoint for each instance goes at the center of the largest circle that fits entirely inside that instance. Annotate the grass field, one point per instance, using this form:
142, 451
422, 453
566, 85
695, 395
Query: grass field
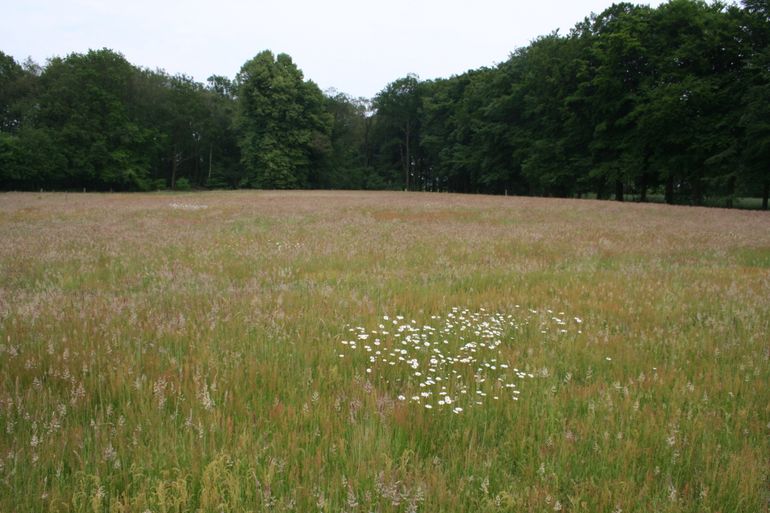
314, 351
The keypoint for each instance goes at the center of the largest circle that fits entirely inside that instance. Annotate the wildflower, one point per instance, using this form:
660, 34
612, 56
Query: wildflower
449, 352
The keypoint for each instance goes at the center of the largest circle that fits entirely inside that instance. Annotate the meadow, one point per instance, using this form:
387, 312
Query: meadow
381, 352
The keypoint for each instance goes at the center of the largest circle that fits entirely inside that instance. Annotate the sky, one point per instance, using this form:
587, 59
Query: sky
356, 47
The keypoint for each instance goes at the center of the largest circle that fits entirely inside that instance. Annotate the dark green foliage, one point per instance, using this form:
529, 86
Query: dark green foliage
85, 108
672, 101
94, 121
397, 132
349, 162
30, 159
633, 101
12, 90
755, 114
284, 130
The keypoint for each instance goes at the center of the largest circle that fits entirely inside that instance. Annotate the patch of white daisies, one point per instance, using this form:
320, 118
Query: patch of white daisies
457, 363
187, 206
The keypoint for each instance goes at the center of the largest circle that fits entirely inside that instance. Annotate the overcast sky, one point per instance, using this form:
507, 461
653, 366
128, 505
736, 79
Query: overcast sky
354, 46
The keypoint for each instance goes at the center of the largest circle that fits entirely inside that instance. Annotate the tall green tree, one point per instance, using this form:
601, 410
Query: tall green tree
85, 105
348, 165
11, 91
398, 108
684, 104
29, 158
283, 127
550, 76
220, 137
755, 119
614, 67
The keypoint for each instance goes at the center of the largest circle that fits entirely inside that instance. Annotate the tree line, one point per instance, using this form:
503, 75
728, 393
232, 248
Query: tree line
635, 101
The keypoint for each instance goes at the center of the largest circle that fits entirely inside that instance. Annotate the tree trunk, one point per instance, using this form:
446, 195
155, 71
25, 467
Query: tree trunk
408, 156
670, 190
697, 193
765, 194
643, 176
367, 149
619, 190
730, 192
197, 169
174, 161
211, 150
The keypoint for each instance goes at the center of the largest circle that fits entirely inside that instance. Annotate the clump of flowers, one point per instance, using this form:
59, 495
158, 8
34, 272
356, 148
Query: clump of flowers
187, 206
454, 362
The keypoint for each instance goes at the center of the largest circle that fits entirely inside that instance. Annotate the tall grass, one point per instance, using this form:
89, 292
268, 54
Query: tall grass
172, 353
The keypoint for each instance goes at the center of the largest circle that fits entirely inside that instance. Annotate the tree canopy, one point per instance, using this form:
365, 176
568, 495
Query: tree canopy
633, 102
284, 128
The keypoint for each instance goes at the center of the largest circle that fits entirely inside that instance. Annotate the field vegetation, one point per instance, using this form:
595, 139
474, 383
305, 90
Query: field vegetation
172, 352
